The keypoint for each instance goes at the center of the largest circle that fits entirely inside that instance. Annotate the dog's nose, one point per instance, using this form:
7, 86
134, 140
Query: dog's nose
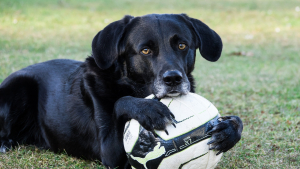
172, 78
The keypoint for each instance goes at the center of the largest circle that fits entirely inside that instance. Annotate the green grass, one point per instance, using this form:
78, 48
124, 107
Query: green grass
262, 88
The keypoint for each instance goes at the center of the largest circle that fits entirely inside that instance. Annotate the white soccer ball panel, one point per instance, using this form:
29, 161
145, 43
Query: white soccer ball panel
213, 159
132, 131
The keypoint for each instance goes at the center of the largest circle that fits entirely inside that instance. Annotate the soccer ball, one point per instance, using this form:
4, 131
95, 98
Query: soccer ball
184, 147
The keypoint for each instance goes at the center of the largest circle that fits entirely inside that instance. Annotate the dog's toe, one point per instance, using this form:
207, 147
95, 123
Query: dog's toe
2, 149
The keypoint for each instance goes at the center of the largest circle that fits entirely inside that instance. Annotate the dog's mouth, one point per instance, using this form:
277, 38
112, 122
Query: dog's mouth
173, 93
162, 90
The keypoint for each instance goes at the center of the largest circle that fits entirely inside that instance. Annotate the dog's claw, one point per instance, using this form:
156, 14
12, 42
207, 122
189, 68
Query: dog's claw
174, 125
167, 132
173, 116
219, 153
212, 130
209, 132
211, 148
210, 142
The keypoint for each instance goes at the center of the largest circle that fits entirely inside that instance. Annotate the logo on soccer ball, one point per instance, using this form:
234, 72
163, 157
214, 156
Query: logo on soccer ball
156, 153
187, 140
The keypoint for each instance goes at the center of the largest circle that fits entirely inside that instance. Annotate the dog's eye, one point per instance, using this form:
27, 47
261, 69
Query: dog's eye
181, 46
146, 51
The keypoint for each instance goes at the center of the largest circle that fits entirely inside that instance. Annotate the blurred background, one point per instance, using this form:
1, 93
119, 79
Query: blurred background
257, 77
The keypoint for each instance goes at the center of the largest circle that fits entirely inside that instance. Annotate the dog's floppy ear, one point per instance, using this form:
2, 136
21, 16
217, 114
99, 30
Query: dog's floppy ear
105, 44
209, 42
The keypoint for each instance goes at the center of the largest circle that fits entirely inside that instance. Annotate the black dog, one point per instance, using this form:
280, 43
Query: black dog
82, 107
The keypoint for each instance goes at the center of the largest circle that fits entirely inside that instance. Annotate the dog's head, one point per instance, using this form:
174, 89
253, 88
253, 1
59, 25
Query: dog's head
156, 51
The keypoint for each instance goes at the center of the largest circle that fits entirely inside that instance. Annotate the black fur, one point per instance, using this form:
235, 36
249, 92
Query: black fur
82, 107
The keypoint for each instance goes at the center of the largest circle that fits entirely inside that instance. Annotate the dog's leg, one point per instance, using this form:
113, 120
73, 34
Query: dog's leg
18, 113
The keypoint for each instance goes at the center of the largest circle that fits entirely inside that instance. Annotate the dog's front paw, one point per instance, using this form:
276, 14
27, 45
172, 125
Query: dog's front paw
150, 113
226, 133
153, 114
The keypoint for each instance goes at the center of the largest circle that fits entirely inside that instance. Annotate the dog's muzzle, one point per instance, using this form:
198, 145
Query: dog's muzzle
172, 83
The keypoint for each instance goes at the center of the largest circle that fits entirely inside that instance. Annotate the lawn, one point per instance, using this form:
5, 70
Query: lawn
257, 77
